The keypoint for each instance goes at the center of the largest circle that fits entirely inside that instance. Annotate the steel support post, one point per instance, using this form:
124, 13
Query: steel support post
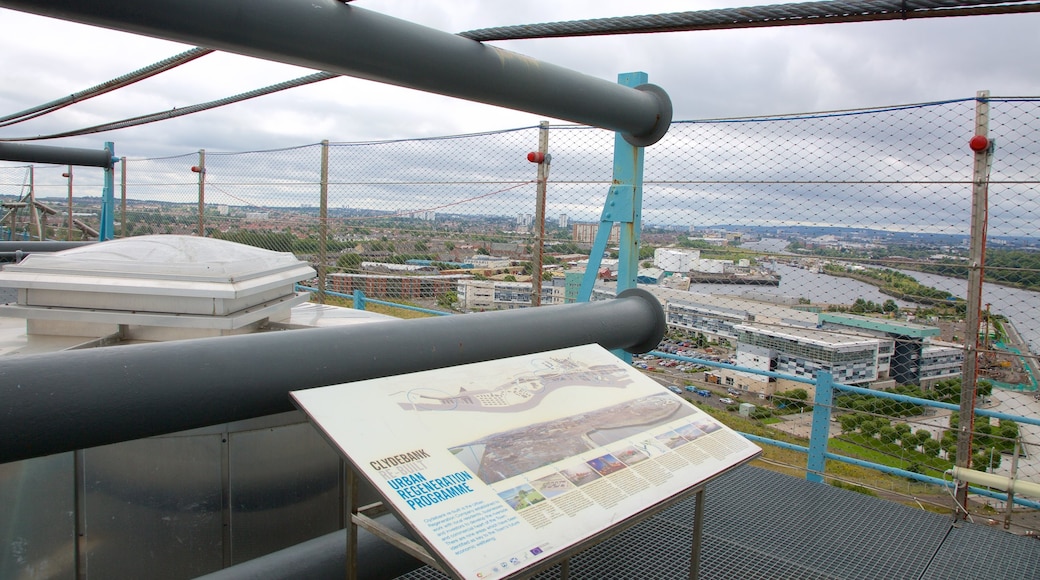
201, 170
698, 533
122, 190
106, 230
539, 214
823, 401
68, 235
979, 210
323, 222
623, 206
342, 38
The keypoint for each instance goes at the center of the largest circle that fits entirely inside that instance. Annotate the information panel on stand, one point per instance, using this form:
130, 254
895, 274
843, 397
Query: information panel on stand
502, 464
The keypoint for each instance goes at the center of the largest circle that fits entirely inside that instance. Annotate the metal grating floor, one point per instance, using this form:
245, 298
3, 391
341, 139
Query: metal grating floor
762, 524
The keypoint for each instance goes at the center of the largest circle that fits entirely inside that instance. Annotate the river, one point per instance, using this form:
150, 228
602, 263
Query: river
1021, 306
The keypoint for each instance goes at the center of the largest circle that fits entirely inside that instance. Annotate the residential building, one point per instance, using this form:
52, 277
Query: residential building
850, 359
586, 233
389, 286
917, 358
482, 295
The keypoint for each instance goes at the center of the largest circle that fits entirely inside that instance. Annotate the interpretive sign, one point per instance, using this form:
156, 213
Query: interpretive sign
499, 465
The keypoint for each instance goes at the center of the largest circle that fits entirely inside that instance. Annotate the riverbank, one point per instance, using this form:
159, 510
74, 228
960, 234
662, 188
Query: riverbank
891, 291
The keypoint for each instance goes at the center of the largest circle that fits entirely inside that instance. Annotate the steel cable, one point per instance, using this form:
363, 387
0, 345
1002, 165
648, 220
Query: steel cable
774, 15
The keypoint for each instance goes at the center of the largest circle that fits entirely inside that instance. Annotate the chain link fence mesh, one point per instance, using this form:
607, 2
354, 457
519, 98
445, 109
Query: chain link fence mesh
865, 212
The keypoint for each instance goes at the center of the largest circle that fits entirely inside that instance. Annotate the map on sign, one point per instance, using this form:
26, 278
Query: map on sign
499, 465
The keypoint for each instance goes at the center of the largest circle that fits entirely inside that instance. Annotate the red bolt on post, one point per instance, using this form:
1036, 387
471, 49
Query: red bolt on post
196, 169
978, 143
536, 157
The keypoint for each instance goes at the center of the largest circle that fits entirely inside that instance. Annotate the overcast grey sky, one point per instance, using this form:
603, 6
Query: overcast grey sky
707, 74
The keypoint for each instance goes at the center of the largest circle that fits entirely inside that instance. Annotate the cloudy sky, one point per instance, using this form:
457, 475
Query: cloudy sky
707, 74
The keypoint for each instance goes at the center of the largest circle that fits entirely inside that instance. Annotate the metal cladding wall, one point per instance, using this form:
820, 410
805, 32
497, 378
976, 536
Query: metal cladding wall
249, 482
177, 506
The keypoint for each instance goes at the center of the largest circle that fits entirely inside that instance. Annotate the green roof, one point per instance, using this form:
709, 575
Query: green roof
887, 326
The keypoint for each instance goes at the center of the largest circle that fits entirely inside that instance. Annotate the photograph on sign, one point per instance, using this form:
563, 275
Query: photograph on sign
499, 465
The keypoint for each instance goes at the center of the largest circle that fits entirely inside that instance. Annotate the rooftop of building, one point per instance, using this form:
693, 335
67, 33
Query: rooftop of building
735, 304
810, 336
889, 326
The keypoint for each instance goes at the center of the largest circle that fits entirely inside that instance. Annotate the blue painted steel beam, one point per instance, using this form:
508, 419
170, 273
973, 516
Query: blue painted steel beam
816, 464
623, 205
106, 231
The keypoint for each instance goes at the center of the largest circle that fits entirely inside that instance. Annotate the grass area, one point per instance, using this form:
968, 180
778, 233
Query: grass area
792, 462
860, 446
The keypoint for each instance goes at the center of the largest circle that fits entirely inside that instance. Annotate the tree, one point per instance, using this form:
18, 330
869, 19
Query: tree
983, 432
890, 306
986, 459
888, 434
908, 442
349, 261
483, 251
849, 422
447, 300
421, 246
870, 427
931, 447
449, 246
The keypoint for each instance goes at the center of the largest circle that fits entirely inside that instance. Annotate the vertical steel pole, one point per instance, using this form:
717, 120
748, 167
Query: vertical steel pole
628, 180
979, 209
202, 193
68, 236
32, 202
122, 189
623, 204
698, 532
107, 226
351, 510
1011, 489
323, 221
539, 215
816, 463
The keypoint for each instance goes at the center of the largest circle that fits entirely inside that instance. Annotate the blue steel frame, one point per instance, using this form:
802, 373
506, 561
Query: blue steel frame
820, 432
107, 229
623, 205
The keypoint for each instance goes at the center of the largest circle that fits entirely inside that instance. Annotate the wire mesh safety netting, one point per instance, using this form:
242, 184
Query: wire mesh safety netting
769, 223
